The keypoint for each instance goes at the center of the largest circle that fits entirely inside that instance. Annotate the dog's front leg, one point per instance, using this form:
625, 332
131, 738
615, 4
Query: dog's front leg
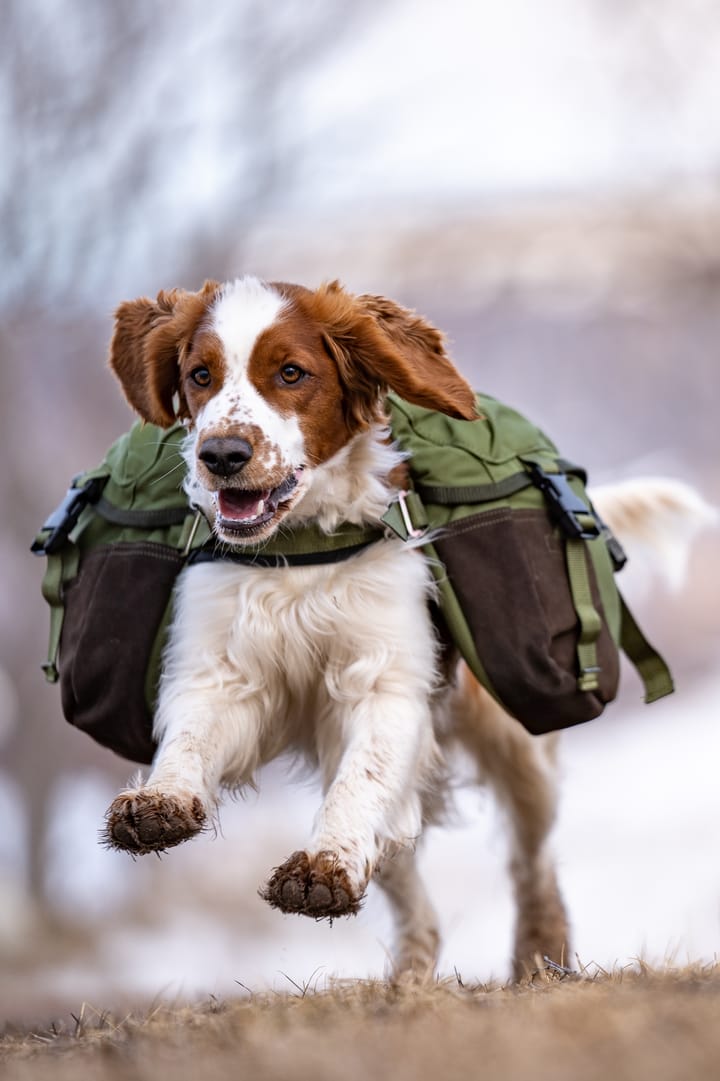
197, 748
378, 757
171, 806
207, 724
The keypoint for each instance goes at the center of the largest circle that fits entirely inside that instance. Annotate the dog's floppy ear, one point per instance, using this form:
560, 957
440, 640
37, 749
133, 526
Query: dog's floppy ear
379, 345
431, 378
146, 346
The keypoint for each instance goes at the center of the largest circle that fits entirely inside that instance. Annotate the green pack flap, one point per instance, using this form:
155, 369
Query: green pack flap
146, 469
447, 452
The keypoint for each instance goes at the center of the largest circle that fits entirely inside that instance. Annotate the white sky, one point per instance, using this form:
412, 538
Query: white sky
488, 98
421, 103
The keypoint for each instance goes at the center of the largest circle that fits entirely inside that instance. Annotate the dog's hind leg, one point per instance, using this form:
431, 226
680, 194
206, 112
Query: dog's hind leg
521, 770
417, 938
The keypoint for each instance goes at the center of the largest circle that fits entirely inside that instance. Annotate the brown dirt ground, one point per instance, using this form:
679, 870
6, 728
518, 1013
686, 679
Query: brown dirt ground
629, 1024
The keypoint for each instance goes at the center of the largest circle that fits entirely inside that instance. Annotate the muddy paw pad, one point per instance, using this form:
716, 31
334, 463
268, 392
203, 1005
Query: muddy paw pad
150, 821
316, 886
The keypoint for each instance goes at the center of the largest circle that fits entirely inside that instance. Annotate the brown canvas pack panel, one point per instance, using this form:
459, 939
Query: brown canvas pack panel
114, 609
513, 561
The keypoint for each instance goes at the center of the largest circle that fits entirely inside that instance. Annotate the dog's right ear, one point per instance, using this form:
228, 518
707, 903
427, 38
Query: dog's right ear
146, 347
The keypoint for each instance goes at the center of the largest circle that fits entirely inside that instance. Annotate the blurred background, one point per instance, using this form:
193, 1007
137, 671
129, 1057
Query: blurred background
542, 181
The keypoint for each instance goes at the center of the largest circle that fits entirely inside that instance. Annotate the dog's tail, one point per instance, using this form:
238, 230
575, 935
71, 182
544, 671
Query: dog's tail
656, 520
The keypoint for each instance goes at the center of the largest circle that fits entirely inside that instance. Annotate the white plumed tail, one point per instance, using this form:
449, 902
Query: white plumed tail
656, 520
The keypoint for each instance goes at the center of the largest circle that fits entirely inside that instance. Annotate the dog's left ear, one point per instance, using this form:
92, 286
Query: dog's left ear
379, 345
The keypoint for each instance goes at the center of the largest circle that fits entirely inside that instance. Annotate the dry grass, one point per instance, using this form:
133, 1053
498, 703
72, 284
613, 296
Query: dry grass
629, 1024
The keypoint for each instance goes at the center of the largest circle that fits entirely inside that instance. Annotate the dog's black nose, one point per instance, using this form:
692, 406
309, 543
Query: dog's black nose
225, 456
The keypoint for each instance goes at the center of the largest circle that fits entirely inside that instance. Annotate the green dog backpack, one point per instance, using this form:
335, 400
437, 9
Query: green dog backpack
524, 571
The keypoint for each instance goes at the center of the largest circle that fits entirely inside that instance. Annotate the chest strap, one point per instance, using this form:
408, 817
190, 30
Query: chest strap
303, 547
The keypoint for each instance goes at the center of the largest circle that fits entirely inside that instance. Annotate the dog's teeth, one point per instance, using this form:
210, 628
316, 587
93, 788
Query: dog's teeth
260, 507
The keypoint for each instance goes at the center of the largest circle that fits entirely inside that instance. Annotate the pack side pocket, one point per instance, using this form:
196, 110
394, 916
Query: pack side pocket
509, 572
113, 610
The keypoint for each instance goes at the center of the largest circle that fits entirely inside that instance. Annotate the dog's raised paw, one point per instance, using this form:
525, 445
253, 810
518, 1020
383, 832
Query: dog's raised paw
148, 821
312, 885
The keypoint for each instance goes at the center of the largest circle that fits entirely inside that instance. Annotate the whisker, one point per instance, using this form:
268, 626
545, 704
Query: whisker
158, 442
157, 480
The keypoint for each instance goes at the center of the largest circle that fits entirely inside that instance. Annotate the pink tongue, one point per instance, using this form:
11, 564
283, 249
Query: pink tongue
239, 506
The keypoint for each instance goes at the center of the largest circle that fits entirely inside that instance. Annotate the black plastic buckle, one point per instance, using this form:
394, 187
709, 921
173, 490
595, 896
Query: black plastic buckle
64, 518
615, 548
564, 504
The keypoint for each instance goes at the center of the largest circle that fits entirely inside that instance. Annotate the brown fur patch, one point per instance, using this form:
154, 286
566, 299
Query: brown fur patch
147, 345
379, 345
147, 821
314, 886
317, 399
203, 349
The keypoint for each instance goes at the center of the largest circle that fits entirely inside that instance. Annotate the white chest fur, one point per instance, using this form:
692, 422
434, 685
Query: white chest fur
281, 656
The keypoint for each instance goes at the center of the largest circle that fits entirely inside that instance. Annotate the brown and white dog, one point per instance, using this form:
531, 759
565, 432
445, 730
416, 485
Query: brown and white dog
282, 391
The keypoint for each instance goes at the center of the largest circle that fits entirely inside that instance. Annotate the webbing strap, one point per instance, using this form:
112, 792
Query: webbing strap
588, 616
61, 567
455, 496
299, 559
149, 518
651, 668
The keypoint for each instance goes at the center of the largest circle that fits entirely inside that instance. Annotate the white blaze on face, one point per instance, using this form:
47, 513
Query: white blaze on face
244, 309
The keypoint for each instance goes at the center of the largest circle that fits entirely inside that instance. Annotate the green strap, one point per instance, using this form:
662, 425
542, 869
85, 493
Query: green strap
310, 539
458, 495
142, 519
455, 496
61, 567
651, 668
588, 616
305, 541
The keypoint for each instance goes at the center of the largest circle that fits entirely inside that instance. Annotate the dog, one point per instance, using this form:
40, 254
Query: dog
282, 391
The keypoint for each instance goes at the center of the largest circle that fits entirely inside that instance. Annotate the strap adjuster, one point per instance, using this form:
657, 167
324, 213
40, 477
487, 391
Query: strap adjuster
412, 531
572, 515
64, 518
588, 678
51, 672
406, 516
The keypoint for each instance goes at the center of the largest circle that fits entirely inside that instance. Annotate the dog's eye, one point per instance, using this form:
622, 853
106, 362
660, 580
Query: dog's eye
201, 376
290, 373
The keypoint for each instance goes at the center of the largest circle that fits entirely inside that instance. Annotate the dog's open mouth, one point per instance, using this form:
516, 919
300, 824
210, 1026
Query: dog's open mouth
242, 513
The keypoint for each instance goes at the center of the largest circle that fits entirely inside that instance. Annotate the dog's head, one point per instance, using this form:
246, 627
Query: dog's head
273, 380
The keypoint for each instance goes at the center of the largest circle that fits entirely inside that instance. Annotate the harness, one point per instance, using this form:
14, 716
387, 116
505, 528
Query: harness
524, 571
